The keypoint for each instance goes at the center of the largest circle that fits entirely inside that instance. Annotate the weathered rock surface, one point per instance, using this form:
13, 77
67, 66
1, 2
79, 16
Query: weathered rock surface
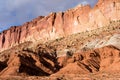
55, 25
79, 56
105, 59
28, 63
45, 62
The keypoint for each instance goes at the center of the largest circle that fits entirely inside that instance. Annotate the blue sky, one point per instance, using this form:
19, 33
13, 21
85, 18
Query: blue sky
17, 12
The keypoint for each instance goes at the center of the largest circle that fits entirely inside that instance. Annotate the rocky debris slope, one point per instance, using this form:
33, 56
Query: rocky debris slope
27, 63
108, 35
105, 59
86, 52
55, 25
24, 63
44, 61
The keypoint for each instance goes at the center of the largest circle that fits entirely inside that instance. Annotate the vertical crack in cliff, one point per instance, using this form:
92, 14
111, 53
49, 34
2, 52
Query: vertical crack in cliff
78, 20
53, 22
14, 34
62, 17
114, 4
54, 17
3, 40
73, 14
27, 30
19, 35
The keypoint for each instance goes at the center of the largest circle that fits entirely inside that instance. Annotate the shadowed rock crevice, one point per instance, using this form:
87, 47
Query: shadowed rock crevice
32, 71
3, 65
96, 60
27, 63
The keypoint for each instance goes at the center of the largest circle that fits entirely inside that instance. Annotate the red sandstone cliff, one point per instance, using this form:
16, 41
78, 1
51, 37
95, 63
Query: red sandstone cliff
79, 19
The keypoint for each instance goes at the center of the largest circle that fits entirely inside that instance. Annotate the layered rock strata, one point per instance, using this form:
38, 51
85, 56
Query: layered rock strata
55, 25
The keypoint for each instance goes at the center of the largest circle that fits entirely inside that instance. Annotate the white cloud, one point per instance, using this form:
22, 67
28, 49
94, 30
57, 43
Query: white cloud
85, 2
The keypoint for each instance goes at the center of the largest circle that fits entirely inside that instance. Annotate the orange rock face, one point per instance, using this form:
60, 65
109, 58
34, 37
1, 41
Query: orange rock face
26, 63
105, 59
55, 25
